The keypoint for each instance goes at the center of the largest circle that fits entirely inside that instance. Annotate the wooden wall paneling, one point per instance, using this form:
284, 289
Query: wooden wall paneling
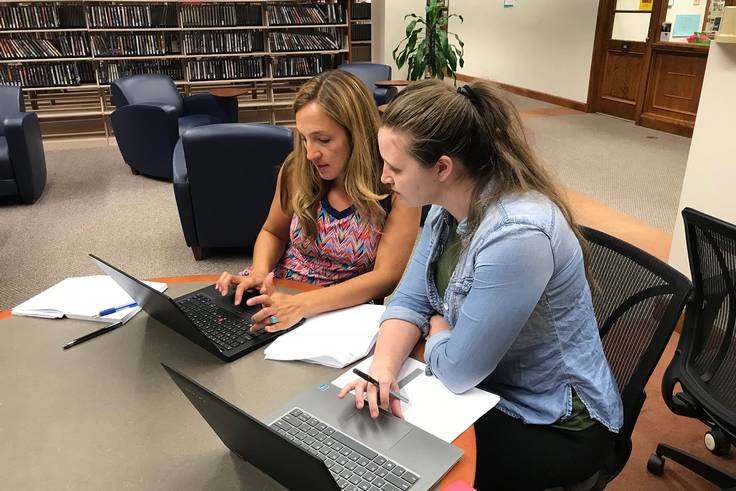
673, 91
620, 84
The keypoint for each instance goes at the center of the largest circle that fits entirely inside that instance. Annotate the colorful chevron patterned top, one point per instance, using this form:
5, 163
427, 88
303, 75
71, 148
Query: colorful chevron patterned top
345, 246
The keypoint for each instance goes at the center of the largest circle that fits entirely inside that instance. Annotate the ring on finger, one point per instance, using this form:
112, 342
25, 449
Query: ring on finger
274, 319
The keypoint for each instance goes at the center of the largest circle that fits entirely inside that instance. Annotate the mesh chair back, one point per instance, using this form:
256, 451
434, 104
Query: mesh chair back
637, 301
710, 337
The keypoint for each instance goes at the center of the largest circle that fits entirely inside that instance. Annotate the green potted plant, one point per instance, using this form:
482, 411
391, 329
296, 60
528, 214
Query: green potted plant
427, 49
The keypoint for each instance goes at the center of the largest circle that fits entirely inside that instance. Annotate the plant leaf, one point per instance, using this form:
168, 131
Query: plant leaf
410, 27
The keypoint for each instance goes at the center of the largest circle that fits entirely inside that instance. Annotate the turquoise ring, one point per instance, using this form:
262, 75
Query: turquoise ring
274, 319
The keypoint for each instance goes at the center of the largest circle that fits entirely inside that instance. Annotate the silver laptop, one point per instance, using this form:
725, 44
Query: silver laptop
318, 441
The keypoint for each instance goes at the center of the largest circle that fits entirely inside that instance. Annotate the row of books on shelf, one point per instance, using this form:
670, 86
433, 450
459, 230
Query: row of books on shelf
223, 69
302, 66
221, 15
41, 16
134, 44
102, 16
223, 42
110, 72
361, 11
49, 45
314, 40
361, 32
63, 74
325, 13
46, 75
43, 45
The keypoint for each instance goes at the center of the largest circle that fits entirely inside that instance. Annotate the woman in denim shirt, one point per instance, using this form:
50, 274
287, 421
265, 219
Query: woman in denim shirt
497, 285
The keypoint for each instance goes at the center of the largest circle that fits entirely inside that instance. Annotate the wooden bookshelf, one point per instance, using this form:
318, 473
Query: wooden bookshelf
70, 88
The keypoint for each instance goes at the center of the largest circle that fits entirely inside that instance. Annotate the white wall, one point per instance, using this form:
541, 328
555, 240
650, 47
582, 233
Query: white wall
711, 166
389, 28
685, 7
544, 45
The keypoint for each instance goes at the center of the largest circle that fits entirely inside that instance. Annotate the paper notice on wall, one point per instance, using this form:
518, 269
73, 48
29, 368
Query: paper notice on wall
508, 3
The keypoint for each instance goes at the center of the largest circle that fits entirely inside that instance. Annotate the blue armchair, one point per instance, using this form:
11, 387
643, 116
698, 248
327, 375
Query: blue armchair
370, 73
224, 180
151, 116
22, 160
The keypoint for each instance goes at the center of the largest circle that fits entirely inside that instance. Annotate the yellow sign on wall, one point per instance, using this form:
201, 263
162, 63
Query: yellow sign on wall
645, 4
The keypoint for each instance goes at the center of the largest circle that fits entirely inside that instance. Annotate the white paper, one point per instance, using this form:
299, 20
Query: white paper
335, 339
82, 297
432, 406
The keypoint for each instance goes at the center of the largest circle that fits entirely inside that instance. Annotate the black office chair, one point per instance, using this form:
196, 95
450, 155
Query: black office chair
22, 159
224, 180
705, 360
637, 301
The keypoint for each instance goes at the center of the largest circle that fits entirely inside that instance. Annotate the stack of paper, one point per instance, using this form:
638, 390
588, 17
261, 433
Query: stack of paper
335, 339
83, 298
432, 406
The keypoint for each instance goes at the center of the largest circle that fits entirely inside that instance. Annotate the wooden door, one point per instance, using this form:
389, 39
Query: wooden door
624, 35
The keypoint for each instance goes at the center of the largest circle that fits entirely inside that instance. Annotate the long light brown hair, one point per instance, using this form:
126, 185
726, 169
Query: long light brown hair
345, 99
483, 131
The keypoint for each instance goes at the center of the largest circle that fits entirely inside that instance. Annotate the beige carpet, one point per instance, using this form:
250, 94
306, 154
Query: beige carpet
92, 202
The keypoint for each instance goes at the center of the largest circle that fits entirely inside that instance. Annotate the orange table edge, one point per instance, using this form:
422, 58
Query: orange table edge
464, 470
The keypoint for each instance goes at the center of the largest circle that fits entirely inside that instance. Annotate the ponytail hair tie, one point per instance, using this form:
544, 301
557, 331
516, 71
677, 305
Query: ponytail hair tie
468, 92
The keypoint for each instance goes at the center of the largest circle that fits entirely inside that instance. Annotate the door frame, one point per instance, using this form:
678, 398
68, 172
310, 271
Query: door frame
604, 23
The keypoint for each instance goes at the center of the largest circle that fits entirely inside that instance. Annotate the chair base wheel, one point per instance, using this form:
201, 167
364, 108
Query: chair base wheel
655, 464
717, 442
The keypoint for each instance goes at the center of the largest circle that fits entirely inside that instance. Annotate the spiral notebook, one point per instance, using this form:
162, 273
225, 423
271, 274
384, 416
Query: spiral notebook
83, 298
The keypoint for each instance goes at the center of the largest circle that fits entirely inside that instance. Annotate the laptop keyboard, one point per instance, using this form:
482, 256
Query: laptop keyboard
353, 465
226, 330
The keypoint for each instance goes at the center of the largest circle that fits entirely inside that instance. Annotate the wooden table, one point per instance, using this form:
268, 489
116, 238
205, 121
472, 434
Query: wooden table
105, 415
229, 91
392, 83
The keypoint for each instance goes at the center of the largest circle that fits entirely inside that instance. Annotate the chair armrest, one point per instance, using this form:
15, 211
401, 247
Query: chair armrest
146, 135
25, 146
183, 196
383, 95
224, 108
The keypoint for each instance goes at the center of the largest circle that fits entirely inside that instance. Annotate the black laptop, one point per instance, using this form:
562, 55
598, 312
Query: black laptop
319, 442
203, 316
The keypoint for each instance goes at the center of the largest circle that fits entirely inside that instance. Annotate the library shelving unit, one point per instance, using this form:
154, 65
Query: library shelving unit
360, 31
65, 53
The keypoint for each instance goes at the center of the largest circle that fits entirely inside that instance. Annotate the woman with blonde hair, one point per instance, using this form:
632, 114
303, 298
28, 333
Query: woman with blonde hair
497, 286
332, 222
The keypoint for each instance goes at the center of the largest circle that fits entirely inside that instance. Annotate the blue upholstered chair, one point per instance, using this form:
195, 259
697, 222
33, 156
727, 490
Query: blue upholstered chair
224, 180
370, 73
22, 160
151, 115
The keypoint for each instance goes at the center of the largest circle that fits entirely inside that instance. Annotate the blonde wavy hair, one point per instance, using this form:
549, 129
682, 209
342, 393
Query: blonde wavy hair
346, 99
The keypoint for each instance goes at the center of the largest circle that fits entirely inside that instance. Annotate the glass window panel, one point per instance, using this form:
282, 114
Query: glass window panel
627, 4
628, 26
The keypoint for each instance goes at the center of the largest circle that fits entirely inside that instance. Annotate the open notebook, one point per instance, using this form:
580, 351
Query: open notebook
83, 297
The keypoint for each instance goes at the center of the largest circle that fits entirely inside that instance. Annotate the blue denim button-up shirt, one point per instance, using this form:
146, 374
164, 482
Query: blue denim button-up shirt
520, 313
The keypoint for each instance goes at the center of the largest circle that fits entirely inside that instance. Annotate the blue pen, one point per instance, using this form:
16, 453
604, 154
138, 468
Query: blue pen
112, 310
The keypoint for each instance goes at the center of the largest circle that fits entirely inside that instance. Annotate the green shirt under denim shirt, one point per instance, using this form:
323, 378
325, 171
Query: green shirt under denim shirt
579, 418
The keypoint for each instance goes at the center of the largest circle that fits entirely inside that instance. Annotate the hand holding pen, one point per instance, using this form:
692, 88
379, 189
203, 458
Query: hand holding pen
368, 388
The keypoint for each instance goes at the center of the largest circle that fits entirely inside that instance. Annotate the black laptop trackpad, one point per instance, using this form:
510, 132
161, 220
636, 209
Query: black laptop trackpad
382, 432
228, 301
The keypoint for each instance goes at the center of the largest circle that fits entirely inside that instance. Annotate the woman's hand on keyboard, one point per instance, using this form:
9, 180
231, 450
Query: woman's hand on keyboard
286, 310
240, 283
